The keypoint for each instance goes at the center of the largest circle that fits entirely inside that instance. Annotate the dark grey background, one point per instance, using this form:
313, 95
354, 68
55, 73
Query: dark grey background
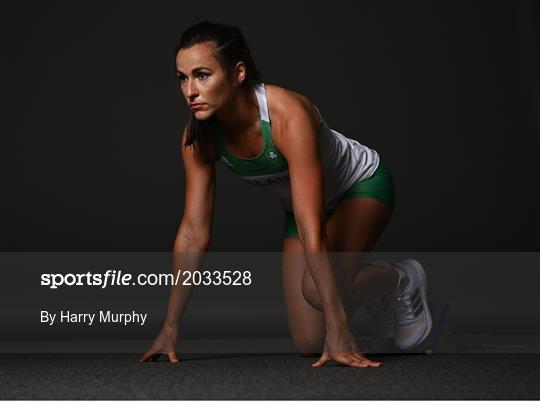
446, 92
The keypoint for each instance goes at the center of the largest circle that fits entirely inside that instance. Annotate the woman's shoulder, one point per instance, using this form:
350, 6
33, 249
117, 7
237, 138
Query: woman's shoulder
281, 100
284, 105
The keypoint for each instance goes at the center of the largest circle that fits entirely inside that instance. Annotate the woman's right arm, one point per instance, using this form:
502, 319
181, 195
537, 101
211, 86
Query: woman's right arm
191, 243
193, 236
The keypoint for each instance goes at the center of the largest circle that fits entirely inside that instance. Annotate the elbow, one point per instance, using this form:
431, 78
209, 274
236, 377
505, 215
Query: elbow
190, 239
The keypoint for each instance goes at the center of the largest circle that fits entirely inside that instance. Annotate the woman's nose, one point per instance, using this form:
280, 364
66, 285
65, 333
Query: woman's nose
192, 90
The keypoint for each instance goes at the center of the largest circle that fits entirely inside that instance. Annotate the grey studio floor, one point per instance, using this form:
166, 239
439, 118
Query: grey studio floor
268, 376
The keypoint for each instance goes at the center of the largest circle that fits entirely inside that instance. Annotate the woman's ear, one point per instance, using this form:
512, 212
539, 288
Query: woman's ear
239, 73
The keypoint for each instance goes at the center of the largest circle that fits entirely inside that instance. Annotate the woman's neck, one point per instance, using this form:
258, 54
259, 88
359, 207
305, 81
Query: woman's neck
241, 113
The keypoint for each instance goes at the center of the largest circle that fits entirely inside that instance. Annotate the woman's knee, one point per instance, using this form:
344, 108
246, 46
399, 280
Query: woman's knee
310, 292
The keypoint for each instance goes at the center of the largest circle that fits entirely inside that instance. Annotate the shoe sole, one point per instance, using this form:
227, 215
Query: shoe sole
423, 290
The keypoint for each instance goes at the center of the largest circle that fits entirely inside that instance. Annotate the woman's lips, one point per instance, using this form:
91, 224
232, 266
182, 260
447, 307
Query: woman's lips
196, 106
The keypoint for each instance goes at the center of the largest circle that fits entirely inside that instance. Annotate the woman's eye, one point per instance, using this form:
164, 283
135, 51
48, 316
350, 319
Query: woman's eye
202, 75
181, 78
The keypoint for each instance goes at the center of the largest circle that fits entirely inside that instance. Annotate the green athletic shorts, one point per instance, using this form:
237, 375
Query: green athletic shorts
380, 186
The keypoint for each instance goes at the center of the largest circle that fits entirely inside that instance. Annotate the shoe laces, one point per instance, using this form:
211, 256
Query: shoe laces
400, 302
402, 310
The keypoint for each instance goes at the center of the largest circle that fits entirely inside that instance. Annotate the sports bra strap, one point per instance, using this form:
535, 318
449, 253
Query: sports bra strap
260, 91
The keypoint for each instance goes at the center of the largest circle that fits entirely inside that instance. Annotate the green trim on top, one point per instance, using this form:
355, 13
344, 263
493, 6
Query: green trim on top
269, 161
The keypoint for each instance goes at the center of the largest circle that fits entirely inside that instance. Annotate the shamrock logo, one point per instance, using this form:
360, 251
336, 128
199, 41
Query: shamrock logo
272, 154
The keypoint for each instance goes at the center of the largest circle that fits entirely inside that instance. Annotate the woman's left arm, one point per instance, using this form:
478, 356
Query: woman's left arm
297, 140
298, 137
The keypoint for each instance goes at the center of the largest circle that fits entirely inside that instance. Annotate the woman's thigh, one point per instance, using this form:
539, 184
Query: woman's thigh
353, 230
306, 324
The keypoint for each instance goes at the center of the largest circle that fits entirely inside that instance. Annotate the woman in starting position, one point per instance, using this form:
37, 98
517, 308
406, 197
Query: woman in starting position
337, 195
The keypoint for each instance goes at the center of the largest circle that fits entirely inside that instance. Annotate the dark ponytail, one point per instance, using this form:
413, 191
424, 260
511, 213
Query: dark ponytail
231, 47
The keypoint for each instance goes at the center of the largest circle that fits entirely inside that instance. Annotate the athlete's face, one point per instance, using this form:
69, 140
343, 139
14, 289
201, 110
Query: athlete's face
203, 81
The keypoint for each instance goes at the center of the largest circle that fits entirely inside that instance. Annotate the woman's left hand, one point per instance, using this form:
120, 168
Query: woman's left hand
341, 346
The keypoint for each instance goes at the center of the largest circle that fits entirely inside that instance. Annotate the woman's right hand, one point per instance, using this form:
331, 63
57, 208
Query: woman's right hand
165, 343
341, 346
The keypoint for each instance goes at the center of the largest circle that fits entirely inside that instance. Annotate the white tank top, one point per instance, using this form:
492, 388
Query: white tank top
345, 161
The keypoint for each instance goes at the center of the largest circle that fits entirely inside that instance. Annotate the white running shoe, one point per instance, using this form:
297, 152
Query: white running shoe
409, 305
